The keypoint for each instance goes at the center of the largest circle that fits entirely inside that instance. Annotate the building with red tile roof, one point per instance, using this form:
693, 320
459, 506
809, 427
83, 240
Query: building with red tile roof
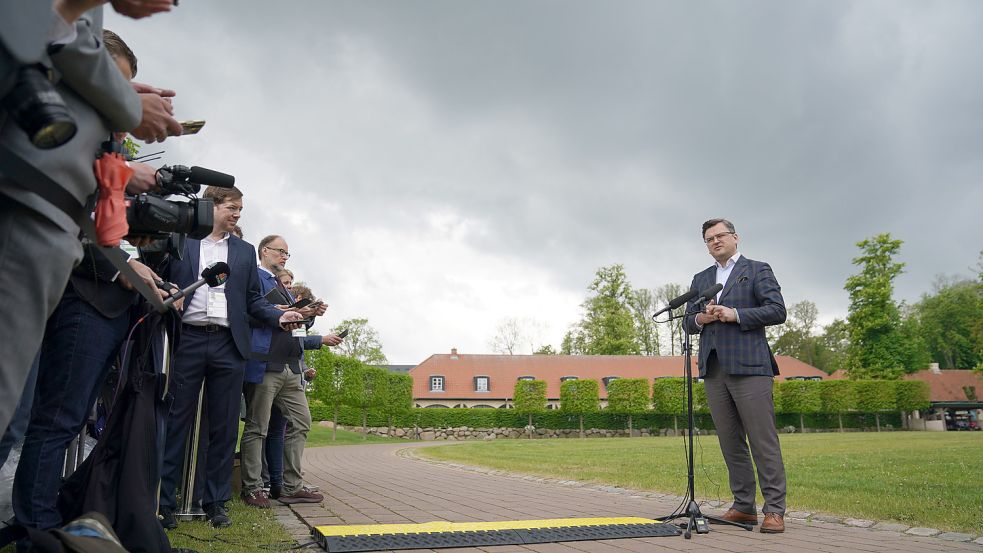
469, 380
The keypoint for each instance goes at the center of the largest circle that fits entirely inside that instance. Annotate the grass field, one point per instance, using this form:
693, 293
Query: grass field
320, 436
916, 478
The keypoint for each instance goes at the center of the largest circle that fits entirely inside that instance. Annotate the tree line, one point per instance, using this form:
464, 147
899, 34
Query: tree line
881, 338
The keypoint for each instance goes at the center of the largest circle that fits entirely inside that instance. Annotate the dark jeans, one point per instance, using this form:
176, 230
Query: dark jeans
22, 416
212, 358
274, 446
77, 351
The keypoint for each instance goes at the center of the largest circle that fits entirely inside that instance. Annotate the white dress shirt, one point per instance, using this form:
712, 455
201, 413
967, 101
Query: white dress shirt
196, 312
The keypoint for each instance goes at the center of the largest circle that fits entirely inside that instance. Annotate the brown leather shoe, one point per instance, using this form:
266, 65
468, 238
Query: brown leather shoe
734, 515
301, 496
773, 523
257, 498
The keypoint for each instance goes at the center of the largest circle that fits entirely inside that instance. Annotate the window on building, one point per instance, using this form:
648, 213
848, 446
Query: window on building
565, 378
527, 377
607, 380
436, 384
481, 383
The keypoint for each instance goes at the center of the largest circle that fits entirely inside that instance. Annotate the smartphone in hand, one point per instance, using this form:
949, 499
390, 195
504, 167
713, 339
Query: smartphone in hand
300, 303
343, 333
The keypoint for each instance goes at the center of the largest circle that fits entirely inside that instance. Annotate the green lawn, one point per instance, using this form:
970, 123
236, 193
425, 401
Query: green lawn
319, 436
252, 530
916, 478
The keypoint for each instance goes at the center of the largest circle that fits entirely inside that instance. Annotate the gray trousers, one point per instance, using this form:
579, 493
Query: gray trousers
285, 390
36, 259
743, 411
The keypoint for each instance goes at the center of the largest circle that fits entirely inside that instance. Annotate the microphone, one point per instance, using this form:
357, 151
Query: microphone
215, 274
198, 175
709, 292
677, 301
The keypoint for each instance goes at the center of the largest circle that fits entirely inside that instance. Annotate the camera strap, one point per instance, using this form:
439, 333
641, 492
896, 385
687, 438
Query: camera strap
22, 173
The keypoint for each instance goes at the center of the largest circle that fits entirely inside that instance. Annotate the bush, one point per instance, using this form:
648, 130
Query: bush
579, 397
837, 397
628, 396
875, 396
800, 397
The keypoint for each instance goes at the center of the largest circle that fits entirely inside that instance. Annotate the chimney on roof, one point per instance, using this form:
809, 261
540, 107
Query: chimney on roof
453, 353
934, 368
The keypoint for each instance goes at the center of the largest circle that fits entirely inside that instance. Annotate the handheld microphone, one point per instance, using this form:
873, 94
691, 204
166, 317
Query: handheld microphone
677, 301
215, 274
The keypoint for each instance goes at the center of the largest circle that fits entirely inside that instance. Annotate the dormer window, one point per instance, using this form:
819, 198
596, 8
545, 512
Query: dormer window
481, 383
436, 384
607, 380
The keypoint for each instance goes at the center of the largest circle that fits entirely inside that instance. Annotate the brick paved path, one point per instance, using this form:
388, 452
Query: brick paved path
374, 483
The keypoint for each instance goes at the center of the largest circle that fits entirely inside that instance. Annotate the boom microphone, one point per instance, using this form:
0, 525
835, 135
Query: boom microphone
677, 301
710, 292
197, 175
215, 274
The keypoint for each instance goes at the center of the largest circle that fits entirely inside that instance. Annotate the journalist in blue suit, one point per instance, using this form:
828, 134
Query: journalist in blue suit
214, 346
738, 369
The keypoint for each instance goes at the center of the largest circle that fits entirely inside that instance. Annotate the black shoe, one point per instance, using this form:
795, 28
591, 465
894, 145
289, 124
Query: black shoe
275, 491
218, 516
167, 519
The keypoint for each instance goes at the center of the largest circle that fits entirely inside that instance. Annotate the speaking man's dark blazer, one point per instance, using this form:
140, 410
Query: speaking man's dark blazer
242, 292
742, 349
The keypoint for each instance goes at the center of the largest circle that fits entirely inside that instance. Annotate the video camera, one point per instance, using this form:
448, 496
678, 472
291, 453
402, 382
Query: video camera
38, 109
152, 215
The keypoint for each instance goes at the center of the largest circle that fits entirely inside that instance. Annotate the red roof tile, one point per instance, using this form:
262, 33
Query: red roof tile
949, 385
459, 371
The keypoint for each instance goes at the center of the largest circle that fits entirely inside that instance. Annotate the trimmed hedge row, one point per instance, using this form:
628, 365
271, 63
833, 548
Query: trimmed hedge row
508, 418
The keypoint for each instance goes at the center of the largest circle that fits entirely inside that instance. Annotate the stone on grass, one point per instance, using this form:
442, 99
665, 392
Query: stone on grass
919, 531
891, 527
827, 518
859, 522
955, 536
798, 514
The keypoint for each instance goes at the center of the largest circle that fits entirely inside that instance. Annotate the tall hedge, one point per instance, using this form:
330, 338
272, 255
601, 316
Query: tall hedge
364, 388
579, 397
800, 397
838, 397
529, 398
911, 395
398, 398
628, 396
328, 385
669, 398
875, 396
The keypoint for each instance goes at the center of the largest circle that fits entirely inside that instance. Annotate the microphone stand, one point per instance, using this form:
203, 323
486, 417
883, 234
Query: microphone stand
696, 519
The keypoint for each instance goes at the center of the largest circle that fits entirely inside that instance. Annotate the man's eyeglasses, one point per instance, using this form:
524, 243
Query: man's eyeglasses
718, 236
284, 253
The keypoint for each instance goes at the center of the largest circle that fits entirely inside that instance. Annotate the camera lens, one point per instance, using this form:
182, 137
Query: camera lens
39, 110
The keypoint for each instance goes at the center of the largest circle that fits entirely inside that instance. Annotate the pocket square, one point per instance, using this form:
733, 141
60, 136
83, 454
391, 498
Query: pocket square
742, 279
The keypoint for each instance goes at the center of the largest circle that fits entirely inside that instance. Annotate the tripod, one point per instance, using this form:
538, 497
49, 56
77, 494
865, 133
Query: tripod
696, 519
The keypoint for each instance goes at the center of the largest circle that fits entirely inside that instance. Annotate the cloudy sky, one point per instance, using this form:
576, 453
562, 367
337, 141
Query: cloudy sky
438, 166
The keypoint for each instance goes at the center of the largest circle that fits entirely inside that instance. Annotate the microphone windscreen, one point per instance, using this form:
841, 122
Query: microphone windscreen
208, 177
711, 291
215, 274
676, 302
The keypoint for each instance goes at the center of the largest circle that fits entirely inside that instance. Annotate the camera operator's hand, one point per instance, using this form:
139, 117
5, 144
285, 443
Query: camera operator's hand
330, 340
146, 275
158, 114
291, 320
138, 9
309, 374
144, 178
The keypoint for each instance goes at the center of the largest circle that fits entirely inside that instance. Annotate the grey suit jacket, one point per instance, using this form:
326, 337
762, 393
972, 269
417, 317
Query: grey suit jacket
741, 348
23, 32
101, 100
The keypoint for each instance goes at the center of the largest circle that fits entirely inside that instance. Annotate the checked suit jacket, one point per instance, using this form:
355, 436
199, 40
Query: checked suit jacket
741, 348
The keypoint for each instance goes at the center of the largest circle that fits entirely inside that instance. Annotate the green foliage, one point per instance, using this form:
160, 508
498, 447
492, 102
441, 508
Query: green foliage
832, 346
628, 395
875, 396
948, 321
546, 350
328, 385
669, 396
398, 395
579, 396
362, 342
607, 326
642, 304
529, 397
837, 396
130, 148
911, 395
798, 396
877, 348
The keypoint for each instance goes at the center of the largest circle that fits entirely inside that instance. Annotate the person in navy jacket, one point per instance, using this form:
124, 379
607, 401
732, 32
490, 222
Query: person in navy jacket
214, 345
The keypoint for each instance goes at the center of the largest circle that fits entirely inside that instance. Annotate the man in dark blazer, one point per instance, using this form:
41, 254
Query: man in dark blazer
213, 348
738, 369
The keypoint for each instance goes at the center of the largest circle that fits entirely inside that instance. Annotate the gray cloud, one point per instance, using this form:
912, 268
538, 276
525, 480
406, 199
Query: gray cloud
551, 138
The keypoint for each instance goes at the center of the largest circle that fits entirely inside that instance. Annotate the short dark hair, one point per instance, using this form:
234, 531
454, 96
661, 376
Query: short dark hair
222, 195
118, 49
715, 222
300, 290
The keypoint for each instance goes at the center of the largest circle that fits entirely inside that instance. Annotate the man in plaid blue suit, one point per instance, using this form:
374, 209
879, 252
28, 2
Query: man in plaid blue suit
738, 369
